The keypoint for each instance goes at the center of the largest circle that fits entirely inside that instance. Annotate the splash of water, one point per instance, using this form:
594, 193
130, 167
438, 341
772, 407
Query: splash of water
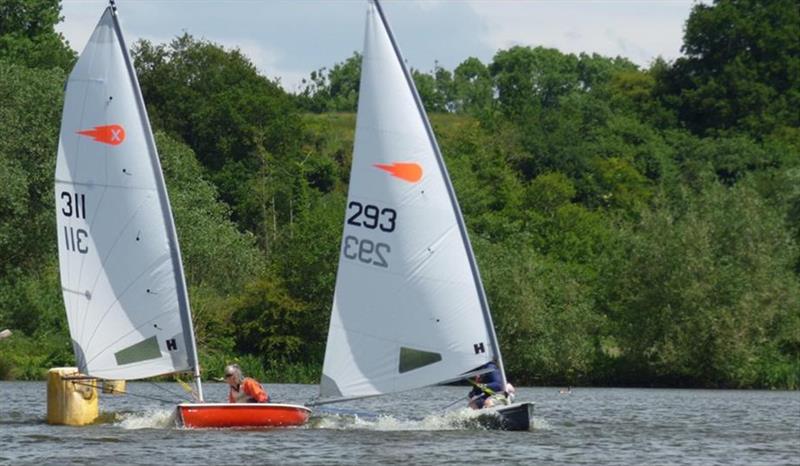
463, 419
151, 419
540, 424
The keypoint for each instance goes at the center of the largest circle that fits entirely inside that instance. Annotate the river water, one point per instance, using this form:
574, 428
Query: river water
596, 426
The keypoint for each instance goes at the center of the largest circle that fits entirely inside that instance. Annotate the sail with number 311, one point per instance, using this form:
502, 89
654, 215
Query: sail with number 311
120, 264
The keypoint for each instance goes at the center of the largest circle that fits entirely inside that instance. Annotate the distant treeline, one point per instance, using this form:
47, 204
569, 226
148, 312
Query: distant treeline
633, 226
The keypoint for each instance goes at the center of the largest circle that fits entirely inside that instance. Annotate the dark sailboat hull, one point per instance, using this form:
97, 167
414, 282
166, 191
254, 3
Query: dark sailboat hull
517, 416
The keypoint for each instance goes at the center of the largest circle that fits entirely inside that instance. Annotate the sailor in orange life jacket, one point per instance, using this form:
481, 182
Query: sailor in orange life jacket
243, 389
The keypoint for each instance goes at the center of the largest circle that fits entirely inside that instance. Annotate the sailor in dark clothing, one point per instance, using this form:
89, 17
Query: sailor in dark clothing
487, 389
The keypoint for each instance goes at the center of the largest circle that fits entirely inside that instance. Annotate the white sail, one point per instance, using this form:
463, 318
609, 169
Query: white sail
408, 309
121, 272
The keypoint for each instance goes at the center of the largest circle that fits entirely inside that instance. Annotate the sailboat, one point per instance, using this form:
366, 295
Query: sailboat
409, 309
121, 271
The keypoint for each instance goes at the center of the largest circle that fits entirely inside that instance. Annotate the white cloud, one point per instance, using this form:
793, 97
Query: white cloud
638, 30
290, 38
79, 27
262, 56
268, 60
428, 5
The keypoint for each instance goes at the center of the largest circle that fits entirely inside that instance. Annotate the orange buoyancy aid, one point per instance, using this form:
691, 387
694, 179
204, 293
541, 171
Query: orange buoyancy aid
250, 391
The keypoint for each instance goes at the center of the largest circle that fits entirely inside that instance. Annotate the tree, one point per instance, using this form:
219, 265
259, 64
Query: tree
741, 67
528, 79
307, 267
544, 314
28, 36
215, 100
334, 90
473, 87
29, 119
215, 253
704, 293
269, 322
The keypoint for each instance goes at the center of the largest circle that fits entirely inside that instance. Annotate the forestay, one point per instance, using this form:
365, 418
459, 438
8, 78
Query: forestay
408, 309
121, 272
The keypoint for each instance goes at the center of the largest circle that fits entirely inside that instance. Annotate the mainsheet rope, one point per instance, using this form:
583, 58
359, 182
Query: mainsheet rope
154, 398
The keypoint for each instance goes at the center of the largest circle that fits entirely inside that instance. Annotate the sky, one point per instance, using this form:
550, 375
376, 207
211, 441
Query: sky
288, 39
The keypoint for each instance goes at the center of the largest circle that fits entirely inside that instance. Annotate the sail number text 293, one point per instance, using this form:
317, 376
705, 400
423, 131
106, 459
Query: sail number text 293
371, 217
73, 205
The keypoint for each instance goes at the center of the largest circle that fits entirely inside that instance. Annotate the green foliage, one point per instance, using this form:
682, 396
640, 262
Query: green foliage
31, 302
215, 101
473, 87
307, 263
218, 259
702, 294
548, 192
632, 226
215, 253
30, 305
571, 233
528, 80
28, 36
328, 141
25, 357
634, 93
268, 321
489, 191
544, 314
29, 116
332, 91
740, 69
436, 90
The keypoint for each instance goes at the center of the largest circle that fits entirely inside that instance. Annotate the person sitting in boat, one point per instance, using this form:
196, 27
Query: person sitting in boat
488, 389
243, 389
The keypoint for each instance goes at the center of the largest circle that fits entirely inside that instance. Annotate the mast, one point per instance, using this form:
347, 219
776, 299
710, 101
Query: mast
487, 317
172, 237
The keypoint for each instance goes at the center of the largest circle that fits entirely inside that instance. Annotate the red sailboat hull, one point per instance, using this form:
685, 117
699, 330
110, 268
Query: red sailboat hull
241, 415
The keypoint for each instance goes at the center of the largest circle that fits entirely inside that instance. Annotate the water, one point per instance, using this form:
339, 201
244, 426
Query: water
588, 426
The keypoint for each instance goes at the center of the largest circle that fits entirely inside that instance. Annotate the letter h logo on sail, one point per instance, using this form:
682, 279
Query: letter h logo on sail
172, 345
479, 348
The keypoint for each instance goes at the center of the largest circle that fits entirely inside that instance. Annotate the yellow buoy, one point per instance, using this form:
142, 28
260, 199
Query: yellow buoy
114, 387
71, 400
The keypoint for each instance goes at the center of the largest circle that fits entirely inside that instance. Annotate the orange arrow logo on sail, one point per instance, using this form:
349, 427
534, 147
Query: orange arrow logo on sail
411, 172
108, 134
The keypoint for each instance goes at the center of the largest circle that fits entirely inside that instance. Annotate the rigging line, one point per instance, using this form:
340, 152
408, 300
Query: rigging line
154, 398
178, 395
459, 400
318, 401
